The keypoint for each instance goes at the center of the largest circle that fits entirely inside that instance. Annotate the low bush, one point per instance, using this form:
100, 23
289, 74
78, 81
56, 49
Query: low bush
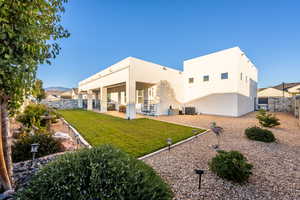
259, 134
102, 173
231, 165
32, 115
267, 119
122, 108
21, 148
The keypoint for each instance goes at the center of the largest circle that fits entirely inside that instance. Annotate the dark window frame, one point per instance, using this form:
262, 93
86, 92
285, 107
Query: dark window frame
224, 76
205, 78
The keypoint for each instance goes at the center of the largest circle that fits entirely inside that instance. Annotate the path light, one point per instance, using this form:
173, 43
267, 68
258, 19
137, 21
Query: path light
77, 140
199, 172
34, 150
169, 142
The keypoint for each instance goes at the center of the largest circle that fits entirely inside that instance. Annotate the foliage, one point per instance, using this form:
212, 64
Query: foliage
259, 134
32, 115
231, 165
28, 34
102, 173
136, 137
21, 149
122, 108
267, 119
38, 90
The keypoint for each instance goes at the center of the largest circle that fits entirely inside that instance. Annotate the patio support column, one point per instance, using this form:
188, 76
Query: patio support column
90, 100
130, 99
103, 99
80, 101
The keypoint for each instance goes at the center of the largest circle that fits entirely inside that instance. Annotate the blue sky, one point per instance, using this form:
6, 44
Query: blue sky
167, 32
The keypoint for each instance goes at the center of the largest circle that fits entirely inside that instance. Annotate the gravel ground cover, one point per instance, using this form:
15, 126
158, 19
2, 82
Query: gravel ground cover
276, 172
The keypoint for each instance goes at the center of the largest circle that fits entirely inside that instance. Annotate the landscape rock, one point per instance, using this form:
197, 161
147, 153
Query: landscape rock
23, 171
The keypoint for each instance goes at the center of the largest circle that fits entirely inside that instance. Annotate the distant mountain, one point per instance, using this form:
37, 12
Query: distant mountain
62, 89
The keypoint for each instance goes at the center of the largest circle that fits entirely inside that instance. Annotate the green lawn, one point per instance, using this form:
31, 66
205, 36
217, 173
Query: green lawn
136, 137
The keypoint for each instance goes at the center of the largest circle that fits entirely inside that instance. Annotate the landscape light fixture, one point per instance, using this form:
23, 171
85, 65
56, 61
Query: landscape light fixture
169, 142
34, 150
199, 172
77, 140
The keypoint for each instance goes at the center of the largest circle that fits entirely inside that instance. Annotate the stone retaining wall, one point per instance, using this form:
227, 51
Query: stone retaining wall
281, 104
23, 171
62, 104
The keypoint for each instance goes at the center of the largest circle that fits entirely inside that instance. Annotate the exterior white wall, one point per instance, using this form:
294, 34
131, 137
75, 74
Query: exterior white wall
148, 72
216, 104
152, 73
232, 61
212, 65
232, 97
114, 74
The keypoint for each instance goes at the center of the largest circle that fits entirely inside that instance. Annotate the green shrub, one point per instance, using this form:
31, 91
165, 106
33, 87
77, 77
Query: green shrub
267, 119
33, 113
21, 148
259, 134
231, 165
102, 173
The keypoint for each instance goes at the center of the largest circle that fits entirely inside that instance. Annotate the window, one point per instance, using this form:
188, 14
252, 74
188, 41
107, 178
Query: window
140, 96
246, 78
224, 75
206, 78
263, 100
191, 80
241, 76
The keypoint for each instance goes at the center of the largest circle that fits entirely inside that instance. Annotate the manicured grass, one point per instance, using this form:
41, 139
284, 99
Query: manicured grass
136, 137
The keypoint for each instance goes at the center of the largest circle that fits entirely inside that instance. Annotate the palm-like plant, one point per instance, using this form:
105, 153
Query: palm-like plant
216, 130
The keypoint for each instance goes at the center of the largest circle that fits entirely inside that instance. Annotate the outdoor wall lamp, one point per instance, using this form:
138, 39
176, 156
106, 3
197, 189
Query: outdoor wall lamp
34, 150
199, 172
169, 142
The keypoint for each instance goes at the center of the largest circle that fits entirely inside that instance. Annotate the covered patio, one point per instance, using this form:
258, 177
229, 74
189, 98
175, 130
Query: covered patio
113, 99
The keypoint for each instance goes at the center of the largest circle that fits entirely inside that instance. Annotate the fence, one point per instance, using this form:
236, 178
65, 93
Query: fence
297, 108
281, 104
62, 104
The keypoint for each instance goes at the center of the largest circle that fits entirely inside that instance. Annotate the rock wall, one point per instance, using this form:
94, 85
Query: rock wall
281, 104
62, 104
23, 171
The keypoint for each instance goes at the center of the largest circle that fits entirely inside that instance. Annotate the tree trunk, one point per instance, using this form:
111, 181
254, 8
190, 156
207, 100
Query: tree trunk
6, 140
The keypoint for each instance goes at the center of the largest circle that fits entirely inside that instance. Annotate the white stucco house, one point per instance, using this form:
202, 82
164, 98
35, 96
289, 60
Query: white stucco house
221, 83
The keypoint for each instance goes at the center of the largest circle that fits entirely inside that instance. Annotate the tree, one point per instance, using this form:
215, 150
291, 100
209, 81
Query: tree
28, 34
38, 90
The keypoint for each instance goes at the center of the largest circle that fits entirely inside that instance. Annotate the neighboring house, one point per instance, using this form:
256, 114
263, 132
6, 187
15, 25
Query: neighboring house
278, 91
221, 83
74, 94
52, 97
69, 94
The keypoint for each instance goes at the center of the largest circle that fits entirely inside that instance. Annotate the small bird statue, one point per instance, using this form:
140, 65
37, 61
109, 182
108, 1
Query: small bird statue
217, 130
